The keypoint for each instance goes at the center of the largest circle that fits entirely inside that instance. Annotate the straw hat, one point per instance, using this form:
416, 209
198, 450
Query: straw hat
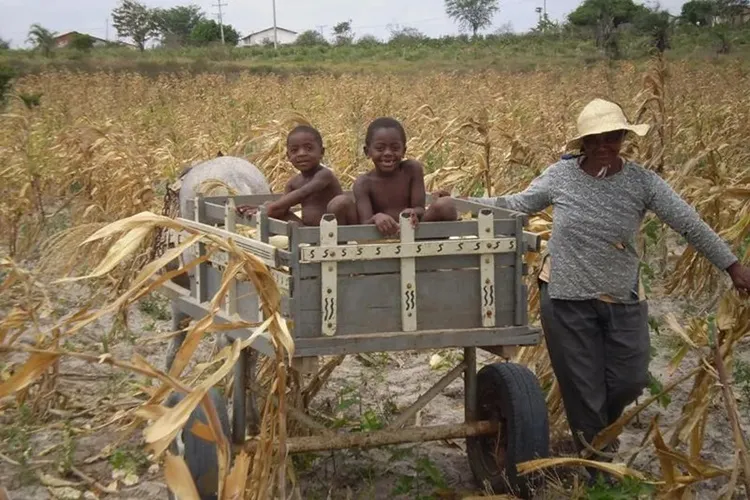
600, 116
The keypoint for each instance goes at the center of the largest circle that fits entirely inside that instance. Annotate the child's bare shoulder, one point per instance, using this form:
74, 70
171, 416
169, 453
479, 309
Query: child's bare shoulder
412, 167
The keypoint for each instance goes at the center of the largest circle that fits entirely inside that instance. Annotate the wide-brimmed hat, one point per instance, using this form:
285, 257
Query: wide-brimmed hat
600, 116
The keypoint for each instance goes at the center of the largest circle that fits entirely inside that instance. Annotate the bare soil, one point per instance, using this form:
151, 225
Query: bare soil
83, 421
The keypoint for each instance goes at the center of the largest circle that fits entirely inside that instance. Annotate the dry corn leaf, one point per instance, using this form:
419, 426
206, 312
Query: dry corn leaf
618, 470
234, 486
122, 249
32, 369
178, 478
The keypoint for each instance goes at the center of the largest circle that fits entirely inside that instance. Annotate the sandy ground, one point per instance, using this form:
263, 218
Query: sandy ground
363, 391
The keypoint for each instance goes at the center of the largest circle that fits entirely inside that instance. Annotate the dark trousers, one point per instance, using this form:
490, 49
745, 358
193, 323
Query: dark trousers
600, 354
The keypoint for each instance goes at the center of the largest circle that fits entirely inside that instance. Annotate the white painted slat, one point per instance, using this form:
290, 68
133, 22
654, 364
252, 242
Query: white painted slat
231, 226
485, 228
408, 277
347, 253
328, 275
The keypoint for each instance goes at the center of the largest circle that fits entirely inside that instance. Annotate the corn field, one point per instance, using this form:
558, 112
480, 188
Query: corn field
81, 169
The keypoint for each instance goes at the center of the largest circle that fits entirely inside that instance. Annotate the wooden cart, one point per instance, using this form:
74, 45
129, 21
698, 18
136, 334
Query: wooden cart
347, 290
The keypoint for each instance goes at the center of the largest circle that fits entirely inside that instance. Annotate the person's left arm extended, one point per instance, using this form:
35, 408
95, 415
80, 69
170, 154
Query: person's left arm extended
681, 217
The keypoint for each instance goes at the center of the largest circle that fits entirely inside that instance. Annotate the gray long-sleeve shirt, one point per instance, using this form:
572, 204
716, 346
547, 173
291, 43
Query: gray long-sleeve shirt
596, 222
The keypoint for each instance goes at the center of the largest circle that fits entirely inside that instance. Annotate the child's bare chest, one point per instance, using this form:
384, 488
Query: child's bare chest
391, 193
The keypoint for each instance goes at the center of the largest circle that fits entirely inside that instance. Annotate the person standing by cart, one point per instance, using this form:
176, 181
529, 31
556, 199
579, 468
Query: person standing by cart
594, 312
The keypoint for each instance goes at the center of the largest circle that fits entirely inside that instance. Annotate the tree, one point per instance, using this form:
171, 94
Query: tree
472, 14
176, 24
731, 10
135, 20
368, 40
42, 39
699, 12
343, 33
591, 13
4, 44
81, 42
405, 35
208, 31
657, 24
310, 38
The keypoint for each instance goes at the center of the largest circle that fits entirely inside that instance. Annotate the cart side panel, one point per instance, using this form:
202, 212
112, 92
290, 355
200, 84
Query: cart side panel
247, 298
446, 299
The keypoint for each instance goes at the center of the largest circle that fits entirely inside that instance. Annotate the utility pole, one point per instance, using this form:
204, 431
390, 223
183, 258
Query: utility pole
275, 38
221, 22
106, 29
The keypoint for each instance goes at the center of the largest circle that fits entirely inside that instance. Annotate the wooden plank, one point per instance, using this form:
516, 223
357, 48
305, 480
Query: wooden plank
422, 340
328, 279
245, 199
408, 278
393, 265
186, 304
464, 206
371, 303
263, 225
265, 252
276, 226
201, 289
409, 249
518, 281
247, 298
294, 269
425, 230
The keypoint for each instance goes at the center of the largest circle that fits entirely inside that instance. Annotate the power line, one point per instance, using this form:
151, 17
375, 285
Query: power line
221, 23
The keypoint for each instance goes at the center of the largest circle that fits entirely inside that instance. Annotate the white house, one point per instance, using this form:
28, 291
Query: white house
283, 36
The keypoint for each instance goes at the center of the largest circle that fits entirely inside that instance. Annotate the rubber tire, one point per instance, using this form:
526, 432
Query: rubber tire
510, 394
199, 455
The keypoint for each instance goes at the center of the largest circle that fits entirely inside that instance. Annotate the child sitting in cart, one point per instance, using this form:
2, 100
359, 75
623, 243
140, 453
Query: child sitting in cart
396, 184
316, 187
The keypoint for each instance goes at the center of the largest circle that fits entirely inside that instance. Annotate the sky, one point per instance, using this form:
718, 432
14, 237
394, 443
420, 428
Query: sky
374, 17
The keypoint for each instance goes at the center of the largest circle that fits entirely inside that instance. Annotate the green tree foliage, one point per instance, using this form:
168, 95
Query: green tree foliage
208, 31
176, 24
730, 10
699, 12
310, 38
42, 39
135, 20
342, 33
657, 24
4, 44
81, 42
405, 36
592, 13
472, 14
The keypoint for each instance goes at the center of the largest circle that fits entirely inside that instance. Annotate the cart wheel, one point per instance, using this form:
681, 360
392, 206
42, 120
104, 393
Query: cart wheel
199, 455
509, 394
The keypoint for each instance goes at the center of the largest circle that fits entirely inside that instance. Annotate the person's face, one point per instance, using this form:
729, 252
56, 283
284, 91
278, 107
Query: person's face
604, 148
303, 151
386, 150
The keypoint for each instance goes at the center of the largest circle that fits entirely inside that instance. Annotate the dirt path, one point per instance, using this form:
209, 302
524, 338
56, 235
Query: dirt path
364, 392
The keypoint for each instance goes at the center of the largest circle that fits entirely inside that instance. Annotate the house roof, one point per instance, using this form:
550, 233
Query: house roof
116, 42
64, 35
270, 28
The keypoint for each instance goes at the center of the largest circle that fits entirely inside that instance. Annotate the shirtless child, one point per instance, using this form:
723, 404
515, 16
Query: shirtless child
395, 185
316, 188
